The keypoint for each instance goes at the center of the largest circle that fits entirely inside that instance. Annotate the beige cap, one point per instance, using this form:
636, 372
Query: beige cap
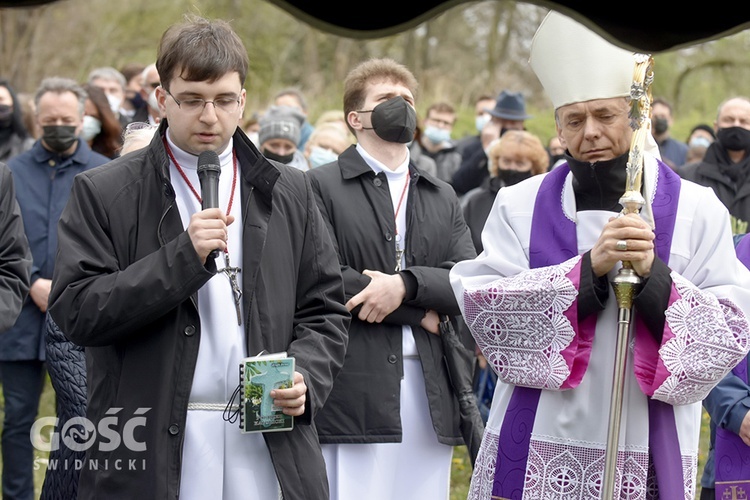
574, 64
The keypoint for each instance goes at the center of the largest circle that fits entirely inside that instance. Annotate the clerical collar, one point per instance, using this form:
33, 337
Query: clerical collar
190, 161
599, 185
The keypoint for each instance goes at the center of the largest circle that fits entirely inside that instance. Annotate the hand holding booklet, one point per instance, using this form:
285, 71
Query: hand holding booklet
259, 375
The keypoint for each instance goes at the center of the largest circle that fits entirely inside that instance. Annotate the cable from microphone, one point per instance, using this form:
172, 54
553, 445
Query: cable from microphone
209, 169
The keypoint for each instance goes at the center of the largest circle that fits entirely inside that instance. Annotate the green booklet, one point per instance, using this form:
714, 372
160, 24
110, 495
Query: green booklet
259, 375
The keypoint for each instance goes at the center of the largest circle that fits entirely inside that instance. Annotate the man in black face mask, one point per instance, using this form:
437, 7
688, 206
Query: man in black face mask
43, 177
388, 427
727, 161
672, 151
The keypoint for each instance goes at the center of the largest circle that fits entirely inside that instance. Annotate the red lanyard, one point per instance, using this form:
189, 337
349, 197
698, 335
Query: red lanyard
230, 271
400, 200
399, 251
190, 184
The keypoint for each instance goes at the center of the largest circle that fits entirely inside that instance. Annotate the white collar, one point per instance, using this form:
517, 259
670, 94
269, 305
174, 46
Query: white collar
377, 166
190, 161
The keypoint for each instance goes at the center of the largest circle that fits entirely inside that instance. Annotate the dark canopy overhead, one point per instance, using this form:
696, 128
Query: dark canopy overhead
643, 27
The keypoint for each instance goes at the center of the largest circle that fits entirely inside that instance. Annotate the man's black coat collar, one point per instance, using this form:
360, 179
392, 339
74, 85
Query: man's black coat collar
353, 165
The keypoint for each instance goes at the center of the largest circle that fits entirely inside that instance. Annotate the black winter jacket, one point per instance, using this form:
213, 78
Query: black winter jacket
730, 181
125, 287
356, 203
15, 256
477, 205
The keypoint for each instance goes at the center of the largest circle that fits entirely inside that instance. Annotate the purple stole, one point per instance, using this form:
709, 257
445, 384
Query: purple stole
554, 240
731, 454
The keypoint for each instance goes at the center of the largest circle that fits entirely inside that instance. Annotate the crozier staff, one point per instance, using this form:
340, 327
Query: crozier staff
627, 283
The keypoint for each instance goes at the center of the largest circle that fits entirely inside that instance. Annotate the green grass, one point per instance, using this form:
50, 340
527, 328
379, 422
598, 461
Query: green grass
460, 472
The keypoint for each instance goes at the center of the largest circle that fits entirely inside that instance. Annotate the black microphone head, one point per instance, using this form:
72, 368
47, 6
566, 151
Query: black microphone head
208, 163
209, 169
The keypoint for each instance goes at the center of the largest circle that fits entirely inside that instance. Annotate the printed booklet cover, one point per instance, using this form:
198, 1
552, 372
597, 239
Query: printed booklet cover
259, 375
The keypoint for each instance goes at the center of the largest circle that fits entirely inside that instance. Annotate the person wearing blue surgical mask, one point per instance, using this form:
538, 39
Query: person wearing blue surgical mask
320, 156
113, 83
91, 127
481, 118
150, 81
326, 143
435, 140
700, 138
100, 129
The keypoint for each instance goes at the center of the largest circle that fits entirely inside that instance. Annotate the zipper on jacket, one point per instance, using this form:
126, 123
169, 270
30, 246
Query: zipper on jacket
245, 212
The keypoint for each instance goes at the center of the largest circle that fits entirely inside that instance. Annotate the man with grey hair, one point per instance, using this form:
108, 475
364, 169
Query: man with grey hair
43, 177
113, 83
725, 164
149, 81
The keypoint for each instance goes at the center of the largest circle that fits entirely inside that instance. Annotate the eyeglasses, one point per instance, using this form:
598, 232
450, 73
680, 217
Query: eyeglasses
196, 105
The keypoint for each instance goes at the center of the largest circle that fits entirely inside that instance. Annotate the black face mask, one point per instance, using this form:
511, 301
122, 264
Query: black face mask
59, 138
285, 159
660, 125
510, 177
393, 120
6, 115
138, 101
734, 138
555, 158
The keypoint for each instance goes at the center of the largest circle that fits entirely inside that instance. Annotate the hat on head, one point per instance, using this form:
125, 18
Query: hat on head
706, 128
280, 122
510, 106
574, 64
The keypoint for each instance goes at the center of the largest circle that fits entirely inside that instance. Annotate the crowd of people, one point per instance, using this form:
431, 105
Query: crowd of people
354, 243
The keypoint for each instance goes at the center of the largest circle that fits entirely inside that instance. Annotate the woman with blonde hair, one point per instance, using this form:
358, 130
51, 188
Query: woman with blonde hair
326, 143
516, 156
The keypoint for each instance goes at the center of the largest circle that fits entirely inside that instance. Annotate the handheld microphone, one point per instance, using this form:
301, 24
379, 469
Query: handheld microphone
209, 169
